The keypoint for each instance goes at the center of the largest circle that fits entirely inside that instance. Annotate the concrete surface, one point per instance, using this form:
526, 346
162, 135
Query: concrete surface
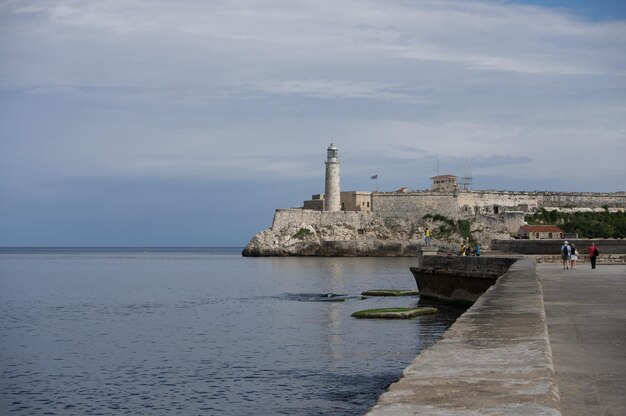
541, 341
494, 360
586, 316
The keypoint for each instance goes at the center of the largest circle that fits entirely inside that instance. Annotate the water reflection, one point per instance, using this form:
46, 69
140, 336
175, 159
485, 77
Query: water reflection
195, 333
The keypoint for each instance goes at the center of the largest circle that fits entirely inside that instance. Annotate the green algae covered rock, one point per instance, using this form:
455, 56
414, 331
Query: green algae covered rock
390, 292
394, 313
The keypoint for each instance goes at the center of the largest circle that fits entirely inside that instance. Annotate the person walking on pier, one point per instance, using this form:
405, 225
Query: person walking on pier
573, 255
593, 253
427, 236
565, 254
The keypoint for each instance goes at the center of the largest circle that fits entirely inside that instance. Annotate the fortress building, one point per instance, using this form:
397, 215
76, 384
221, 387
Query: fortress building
392, 223
358, 201
445, 183
541, 232
447, 198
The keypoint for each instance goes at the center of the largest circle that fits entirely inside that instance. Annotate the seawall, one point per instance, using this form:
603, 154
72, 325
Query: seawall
494, 360
553, 246
461, 279
488, 265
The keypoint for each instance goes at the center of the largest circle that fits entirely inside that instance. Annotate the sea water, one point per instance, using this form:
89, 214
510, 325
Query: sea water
201, 332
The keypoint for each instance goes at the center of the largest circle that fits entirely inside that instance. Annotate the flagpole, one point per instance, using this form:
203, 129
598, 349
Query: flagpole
375, 177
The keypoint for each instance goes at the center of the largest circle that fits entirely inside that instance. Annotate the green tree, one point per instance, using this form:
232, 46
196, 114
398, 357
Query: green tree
603, 224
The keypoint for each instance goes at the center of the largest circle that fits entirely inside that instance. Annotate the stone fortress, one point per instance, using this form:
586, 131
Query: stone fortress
359, 223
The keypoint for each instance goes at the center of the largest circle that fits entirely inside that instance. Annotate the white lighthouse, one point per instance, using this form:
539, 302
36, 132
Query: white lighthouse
332, 197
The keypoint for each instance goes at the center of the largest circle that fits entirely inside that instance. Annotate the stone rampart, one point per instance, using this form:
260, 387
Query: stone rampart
486, 202
284, 217
584, 199
415, 204
460, 204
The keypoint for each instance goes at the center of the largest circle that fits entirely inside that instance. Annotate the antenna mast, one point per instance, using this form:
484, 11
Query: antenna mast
466, 180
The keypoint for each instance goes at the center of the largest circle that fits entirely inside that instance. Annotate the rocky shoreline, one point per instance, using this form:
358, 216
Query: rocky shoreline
298, 232
334, 248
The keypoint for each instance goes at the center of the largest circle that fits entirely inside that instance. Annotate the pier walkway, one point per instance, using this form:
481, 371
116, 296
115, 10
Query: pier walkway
541, 341
586, 317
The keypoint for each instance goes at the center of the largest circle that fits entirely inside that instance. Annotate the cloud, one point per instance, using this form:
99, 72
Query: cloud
340, 89
239, 90
404, 151
511, 38
197, 36
219, 168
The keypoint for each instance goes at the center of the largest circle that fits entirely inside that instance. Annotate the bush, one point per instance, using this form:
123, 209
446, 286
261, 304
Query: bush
586, 224
464, 227
302, 233
449, 226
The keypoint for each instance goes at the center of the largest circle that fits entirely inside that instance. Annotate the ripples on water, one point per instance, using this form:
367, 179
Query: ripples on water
203, 331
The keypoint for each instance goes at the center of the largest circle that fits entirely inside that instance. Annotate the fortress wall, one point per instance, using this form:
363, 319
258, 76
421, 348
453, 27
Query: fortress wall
484, 201
458, 204
455, 205
532, 201
584, 199
282, 217
452, 204
415, 204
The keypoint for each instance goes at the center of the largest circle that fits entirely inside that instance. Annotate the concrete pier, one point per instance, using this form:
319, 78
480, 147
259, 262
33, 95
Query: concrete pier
586, 315
541, 341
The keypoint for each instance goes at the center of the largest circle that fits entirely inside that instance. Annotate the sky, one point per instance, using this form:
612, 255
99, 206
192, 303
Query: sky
160, 123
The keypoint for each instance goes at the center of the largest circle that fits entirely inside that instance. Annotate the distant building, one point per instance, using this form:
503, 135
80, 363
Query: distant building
445, 183
349, 200
356, 201
316, 203
541, 232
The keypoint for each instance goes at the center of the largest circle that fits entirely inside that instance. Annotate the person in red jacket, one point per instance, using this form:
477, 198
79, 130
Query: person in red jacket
593, 253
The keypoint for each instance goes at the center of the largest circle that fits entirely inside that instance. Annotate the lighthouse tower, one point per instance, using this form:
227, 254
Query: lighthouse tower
332, 197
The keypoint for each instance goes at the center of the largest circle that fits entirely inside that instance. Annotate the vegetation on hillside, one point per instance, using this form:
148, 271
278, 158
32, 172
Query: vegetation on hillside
586, 224
302, 234
450, 227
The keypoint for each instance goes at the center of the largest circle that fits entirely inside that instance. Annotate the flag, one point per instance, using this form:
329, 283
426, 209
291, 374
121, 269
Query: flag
375, 177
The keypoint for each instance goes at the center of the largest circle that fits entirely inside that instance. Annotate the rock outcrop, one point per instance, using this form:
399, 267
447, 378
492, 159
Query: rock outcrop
297, 232
374, 238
